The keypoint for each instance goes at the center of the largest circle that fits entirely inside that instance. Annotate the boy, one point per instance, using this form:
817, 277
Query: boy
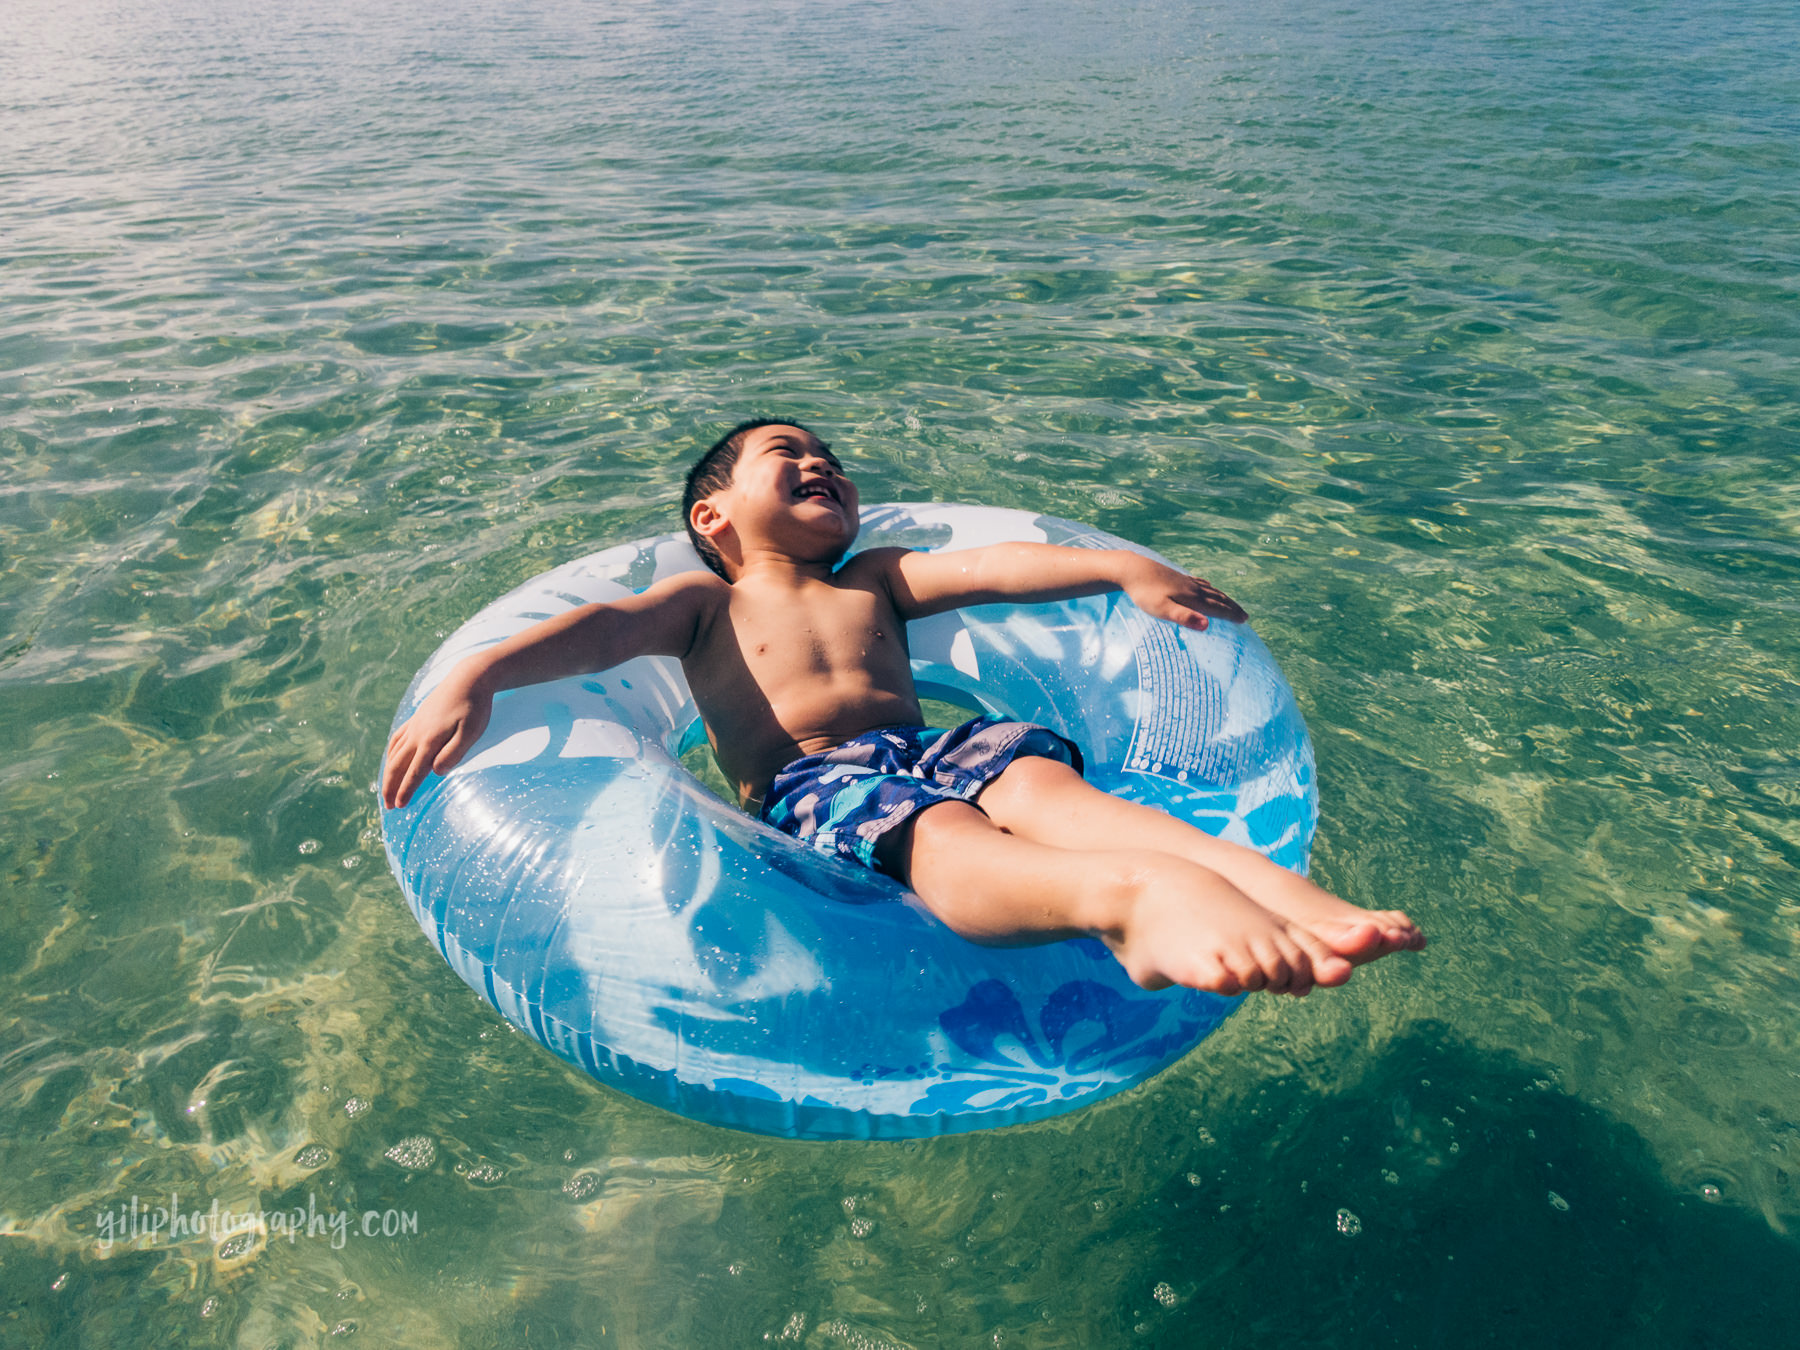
802, 677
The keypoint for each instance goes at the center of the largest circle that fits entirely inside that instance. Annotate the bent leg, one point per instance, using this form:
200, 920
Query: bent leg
1168, 920
1047, 801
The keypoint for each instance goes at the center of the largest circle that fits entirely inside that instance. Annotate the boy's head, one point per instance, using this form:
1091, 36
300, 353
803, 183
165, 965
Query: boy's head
776, 480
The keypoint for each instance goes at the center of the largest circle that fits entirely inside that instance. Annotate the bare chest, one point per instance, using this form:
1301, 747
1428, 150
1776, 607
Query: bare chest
822, 631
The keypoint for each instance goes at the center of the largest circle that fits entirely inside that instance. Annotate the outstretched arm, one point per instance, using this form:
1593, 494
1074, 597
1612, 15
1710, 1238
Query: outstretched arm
663, 621
930, 583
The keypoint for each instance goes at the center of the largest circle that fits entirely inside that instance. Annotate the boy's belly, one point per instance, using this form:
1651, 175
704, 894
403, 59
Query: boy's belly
753, 743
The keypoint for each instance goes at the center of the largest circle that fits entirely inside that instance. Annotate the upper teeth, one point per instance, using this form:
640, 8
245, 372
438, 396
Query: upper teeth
815, 489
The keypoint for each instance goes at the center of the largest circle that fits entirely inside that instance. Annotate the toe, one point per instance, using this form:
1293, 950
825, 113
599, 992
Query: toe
1328, 967
1357, 942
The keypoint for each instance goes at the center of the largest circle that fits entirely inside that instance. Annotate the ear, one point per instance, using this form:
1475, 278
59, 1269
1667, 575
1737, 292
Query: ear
709, 521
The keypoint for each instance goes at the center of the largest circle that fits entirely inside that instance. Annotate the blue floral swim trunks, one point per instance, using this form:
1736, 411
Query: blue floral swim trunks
841, 801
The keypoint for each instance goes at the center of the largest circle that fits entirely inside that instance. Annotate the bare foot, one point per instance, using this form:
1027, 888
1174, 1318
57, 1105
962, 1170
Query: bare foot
1189, 926
1361, 939
1356, 934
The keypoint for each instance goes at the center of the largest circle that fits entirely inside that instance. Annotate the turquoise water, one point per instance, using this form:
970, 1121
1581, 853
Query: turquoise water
1457, 342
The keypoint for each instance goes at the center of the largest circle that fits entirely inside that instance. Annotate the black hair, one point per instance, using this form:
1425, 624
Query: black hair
713, 471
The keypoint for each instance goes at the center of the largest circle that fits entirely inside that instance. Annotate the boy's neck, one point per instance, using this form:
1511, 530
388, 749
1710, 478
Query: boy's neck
771, 568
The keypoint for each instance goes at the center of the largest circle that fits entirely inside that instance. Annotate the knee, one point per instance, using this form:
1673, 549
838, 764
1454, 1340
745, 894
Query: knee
1028, 781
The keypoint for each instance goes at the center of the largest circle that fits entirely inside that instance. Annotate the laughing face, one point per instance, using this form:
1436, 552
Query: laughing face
788, 492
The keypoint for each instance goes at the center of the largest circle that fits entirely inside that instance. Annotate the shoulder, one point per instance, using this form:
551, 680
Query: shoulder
917, 582
705, 595
873, 562
675, 612
688, 591
874, 569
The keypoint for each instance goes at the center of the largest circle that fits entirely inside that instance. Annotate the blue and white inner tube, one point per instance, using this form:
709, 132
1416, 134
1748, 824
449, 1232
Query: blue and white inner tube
580, 879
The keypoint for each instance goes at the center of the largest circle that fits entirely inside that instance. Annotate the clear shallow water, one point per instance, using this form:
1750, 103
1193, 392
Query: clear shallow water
1459, 347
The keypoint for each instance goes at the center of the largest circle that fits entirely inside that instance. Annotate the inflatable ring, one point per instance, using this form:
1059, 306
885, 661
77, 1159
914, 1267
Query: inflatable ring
604, 901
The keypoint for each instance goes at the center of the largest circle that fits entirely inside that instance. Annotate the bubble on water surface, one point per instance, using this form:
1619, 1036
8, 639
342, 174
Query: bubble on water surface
309, 846
1712, 1192
583, 1186
1164, 1293
238, 1245
1558, 1203
356, 1106
353, 860
794, 1329
210, 1308
1348, 1224
313, 1155
861, 1227
415, 1153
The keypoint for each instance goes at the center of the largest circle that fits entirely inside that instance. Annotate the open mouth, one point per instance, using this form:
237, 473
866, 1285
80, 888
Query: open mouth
807, 491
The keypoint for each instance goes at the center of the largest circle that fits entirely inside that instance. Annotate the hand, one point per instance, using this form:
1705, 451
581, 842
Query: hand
1165, 593
435, 738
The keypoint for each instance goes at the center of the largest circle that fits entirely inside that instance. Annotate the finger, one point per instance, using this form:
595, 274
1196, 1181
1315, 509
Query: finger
452, 753
416, 770
396, 790
1217, 599
390, 787
1205, 598
1189, 618
393, 766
